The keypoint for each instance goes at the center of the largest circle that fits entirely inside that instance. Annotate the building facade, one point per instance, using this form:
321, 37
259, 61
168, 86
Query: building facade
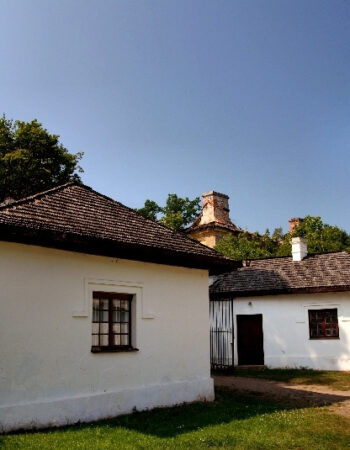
285, 312
101, 312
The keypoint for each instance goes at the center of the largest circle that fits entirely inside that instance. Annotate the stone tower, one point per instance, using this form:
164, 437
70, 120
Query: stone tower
214, 222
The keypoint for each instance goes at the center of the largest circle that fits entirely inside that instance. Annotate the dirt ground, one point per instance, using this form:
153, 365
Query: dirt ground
291, 394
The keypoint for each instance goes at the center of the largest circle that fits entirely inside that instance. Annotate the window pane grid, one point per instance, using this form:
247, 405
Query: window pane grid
111, 320
323, 323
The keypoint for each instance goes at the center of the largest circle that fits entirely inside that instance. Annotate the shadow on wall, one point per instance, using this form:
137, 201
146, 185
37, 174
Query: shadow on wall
317, 354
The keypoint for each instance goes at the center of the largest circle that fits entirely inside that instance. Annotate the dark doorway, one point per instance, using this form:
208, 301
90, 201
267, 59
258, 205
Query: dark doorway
250, 340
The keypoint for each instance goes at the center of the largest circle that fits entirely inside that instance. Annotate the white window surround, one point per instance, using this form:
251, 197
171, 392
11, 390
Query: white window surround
123, 287
317, 306
303, 315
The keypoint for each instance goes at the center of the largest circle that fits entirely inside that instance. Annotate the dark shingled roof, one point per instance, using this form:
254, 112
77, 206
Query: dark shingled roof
75, 217
316, 273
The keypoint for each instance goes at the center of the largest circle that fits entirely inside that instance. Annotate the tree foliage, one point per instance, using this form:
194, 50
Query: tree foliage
150, 210
177, 213
247, 246
321, 238
32, 159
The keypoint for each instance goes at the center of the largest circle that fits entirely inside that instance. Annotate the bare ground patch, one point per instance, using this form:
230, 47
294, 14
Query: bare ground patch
294, 395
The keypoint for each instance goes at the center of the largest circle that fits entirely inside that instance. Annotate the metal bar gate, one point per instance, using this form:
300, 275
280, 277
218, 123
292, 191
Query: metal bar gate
221, 334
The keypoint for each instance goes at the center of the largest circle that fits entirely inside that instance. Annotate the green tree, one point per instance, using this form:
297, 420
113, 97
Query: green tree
285, 246
32, 159
247, 246
278, 234
150, 210
177, 213
320, 236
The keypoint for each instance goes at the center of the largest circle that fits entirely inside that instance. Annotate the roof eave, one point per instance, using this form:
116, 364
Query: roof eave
107, 247
284, 291
212, 226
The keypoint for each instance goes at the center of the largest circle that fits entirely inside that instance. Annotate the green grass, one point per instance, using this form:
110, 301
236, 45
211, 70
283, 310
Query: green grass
229, 422
333, 379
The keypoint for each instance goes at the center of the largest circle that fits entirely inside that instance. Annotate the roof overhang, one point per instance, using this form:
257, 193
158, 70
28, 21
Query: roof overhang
213, 226
285, 291
107, 247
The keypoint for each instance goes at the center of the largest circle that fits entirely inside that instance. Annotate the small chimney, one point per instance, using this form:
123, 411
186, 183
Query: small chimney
215, 208
299, 248
294, 222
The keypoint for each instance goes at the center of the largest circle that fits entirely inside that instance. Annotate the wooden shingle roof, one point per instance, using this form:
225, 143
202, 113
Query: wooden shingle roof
316, 273
75, 217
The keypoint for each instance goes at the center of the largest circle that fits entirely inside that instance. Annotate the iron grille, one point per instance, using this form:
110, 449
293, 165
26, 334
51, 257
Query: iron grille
221, 334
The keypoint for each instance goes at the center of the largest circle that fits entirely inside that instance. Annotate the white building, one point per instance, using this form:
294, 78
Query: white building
102, 311
284, 312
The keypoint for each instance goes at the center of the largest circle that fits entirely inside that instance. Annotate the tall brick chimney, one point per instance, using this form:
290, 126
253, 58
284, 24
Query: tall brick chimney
215, 208
214, 222
294, 222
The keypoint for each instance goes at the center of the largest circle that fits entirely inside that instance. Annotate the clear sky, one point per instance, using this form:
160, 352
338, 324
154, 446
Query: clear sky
247, 97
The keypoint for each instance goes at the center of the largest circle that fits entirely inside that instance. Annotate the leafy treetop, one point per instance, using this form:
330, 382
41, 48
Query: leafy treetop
32, 159
177, 213
320, 238
247, 246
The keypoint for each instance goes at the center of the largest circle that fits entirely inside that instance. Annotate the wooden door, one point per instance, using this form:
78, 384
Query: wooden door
250, 340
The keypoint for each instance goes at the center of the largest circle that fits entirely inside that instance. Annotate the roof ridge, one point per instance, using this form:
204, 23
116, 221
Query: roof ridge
84, 186
154, 222
271, 258
180, 232
57, 189
39, 194
329, 253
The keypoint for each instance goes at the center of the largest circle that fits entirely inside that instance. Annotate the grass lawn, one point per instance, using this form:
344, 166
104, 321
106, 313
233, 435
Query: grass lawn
229, 422
333, 379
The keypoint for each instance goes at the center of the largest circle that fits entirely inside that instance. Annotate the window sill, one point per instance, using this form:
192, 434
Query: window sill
113, 349
323, 338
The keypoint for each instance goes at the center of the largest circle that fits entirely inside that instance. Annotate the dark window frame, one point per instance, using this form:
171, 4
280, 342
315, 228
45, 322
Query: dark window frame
112, 347
316, 319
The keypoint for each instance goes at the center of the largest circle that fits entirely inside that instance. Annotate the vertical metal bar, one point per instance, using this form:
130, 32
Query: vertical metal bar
129, 337
110, 321
99, 322
233, 334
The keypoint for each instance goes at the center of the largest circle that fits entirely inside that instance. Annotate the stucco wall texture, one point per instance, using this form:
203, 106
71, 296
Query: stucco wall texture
48, 375
286, 330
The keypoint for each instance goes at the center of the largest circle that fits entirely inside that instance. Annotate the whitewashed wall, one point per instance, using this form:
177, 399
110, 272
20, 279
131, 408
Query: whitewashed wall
48, 375
286, 330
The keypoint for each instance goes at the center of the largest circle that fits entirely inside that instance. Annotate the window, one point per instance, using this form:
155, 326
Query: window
323, 323
111, 322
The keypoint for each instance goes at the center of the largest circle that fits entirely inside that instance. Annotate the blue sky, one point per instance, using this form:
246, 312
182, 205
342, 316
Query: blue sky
250, 98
